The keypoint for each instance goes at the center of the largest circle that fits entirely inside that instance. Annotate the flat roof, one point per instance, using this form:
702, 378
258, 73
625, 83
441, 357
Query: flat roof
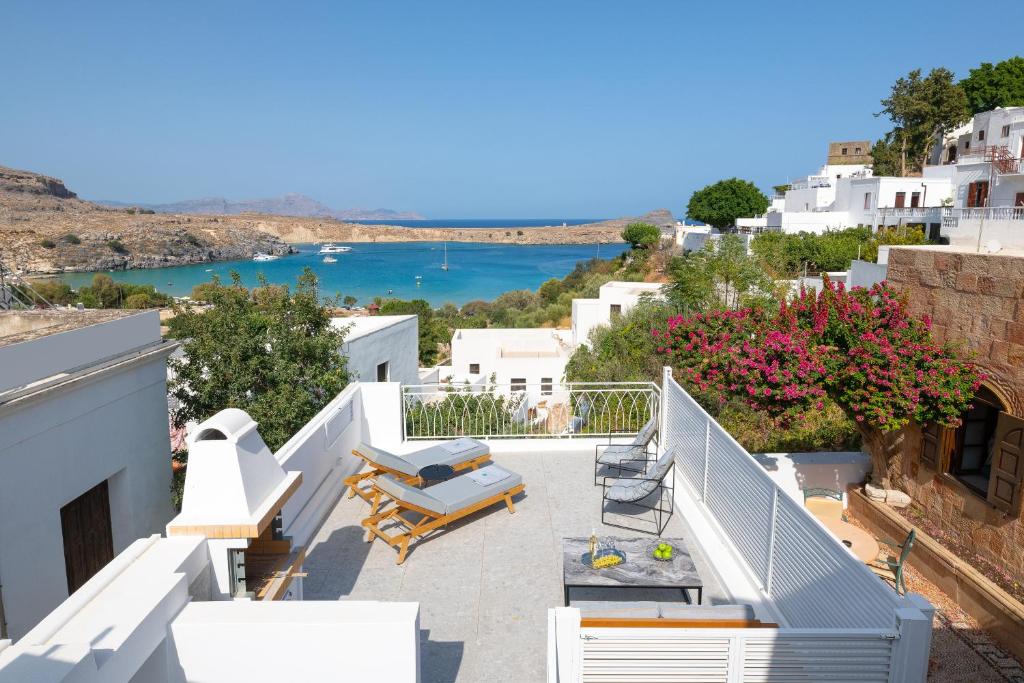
26, 325
362, 325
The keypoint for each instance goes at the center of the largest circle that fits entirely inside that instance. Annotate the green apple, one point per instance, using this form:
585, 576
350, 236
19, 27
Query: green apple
659, 554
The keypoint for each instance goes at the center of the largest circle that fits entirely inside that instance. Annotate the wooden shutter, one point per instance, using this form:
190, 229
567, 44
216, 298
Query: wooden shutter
1007, 463
88, 541
972, 193
930, 446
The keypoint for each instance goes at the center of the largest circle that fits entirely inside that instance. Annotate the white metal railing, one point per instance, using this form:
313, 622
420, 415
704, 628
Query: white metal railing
527, 410
810, 578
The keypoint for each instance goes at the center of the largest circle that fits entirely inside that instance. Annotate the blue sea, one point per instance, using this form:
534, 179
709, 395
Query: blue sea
475, 270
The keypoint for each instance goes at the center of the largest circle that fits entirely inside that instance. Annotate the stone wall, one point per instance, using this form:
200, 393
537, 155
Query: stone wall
836, 156
977, 301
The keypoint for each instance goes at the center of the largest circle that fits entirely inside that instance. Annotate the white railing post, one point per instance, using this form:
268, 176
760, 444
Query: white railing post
771, 543
666, 378
405, 411
707, 457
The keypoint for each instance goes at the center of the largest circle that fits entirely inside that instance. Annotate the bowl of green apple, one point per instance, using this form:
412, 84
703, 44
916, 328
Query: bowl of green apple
663, 552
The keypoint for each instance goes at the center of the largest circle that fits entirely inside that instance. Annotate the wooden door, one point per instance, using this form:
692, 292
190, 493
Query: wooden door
901, 199
1007, 463
88, 540
1019, 201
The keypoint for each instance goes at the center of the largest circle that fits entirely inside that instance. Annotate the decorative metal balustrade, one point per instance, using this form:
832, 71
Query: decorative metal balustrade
527, 410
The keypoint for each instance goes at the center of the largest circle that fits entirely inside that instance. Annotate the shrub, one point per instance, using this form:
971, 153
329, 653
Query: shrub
47, 244
193, 240
117, 246
71, 238
137, 301
641, 235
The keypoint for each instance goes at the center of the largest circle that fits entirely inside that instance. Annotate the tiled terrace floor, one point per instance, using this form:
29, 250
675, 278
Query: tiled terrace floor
484, 586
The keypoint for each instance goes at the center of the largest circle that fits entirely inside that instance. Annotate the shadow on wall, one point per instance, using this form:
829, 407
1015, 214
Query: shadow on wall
794, 472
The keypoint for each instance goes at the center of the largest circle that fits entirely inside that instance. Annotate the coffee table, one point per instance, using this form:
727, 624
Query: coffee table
640, 570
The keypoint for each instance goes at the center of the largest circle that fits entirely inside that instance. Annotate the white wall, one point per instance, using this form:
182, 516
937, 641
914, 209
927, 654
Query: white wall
67, 351
296, 641
57, 445
589, 313
395, 342
535, 354
794, 472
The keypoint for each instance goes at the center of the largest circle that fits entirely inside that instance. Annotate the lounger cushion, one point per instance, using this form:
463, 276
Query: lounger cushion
597, 609
411, 463
409, 494
711, 612
438, 455
461, 492
628, 490
388, 460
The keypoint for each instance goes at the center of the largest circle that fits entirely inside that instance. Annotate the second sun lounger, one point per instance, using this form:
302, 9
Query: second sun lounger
407, 467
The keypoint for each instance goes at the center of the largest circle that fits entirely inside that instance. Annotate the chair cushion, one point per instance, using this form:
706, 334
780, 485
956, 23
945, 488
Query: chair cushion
409, 494
701, 612
630, 490
613, 455
646, 433
461, 492
615, 610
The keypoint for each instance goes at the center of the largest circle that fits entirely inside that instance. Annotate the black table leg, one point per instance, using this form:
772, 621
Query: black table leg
700, 595
566, 595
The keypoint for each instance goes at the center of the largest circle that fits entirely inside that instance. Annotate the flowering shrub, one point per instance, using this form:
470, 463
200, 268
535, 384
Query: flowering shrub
859, 348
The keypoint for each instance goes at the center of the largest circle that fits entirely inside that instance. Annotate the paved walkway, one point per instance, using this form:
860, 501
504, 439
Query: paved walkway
484, 586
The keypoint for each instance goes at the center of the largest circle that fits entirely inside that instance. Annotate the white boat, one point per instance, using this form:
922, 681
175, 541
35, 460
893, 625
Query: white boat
264, 257
330, 259
333, 249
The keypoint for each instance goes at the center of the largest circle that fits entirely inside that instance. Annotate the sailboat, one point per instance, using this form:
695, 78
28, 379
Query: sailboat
444, 266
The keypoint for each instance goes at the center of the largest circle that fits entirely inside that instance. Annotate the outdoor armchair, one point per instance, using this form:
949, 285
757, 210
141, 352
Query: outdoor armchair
647, 492
627, 457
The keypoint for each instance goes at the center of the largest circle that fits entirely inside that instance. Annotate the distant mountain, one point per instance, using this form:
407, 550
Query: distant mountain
292, 204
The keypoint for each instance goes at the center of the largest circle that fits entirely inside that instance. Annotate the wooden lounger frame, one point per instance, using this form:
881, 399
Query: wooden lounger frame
376, 469
429, 522
599, 622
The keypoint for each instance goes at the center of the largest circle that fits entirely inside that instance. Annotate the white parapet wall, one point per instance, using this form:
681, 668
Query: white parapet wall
296, 641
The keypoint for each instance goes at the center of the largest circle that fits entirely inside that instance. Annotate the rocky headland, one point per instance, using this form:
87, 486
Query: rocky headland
46, 228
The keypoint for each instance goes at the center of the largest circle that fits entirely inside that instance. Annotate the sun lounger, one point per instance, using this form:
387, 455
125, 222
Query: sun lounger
437, 505
459, 455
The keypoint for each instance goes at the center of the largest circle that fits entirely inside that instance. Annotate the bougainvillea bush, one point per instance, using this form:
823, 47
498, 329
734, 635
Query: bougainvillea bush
859, 348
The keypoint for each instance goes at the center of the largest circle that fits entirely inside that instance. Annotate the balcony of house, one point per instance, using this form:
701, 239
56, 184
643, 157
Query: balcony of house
988, 228
491, 586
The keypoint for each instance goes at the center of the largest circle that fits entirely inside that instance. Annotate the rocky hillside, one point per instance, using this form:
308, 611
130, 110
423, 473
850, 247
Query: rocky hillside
46, 228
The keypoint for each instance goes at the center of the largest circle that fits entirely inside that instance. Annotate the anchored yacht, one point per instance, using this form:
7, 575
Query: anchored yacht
333, 249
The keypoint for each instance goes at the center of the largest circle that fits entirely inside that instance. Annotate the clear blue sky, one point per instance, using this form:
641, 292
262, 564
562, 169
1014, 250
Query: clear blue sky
461, 109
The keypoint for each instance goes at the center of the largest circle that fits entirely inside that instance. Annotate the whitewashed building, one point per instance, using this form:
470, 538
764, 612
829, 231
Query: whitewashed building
381, 348
85, 462
614, 299
984, 164
530, 360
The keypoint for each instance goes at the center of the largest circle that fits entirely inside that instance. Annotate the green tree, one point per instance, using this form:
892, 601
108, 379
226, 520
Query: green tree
995, 85
350, 301
722, 274
275, 356
723, 202
885, 155
922, 109
641, 235
550, 290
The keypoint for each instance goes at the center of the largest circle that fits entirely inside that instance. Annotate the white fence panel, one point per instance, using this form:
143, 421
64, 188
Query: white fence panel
642, 655
812, 579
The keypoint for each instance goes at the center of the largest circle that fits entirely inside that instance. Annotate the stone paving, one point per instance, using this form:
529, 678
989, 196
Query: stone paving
485, 585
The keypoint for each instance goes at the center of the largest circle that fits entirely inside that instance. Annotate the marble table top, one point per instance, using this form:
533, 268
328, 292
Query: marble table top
639, 569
